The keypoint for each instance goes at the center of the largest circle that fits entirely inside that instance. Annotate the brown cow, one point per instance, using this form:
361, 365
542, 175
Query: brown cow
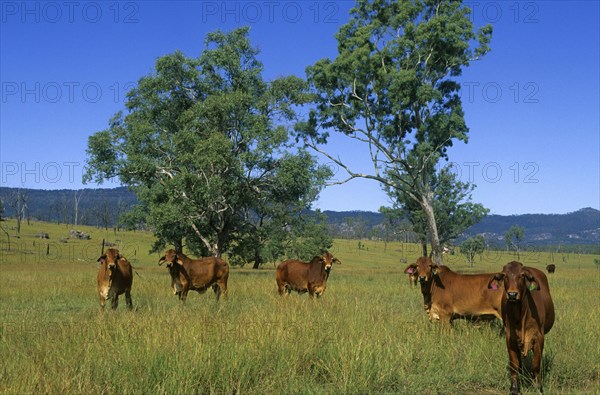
413, 275
196, 274
302, 277
551, 268
448, 295
528, 314
114, 278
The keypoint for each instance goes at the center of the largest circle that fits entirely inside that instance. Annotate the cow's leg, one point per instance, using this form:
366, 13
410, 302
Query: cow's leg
514, 363
221, 287
281, 288
284, 289
217, 289
183, 296
102, 303
433, 313
445, 321
128, 299
114, 302
538, 349
444, 318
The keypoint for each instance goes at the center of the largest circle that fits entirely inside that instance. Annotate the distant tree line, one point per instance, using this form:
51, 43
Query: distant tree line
102, 208
97, 208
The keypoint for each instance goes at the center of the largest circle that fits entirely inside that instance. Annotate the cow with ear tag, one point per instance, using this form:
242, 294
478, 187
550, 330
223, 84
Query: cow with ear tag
527, 313
299, 276
413, 275
448, 295
196, 274
114, 278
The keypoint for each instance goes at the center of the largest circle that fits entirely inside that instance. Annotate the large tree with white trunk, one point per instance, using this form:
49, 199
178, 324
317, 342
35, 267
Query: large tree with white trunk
393, 86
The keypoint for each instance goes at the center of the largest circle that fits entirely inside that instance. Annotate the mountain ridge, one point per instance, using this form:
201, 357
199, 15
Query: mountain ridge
103, 206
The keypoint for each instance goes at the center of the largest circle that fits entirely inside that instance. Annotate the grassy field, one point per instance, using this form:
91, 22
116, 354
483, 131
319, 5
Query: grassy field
367, 334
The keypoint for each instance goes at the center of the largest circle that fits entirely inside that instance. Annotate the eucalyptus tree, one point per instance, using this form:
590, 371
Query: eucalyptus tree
393, 86
471, 247
205, 144
513, 238
454, 210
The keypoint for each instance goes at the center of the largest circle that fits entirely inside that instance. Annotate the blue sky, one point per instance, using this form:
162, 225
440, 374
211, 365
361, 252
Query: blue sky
532, 104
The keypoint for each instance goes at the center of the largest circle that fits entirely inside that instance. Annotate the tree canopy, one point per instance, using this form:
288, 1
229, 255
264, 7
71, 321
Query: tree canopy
205, 144
393, 87
454, 210
513, 238
471, 247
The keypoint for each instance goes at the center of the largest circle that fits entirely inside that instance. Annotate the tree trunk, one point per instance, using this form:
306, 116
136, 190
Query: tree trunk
7, 235
76, 200
178, 245
424, 247
213, 248
257, 259
436, 248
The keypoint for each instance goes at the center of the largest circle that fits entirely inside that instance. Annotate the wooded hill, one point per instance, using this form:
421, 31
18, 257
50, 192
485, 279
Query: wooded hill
105, 208
97, 207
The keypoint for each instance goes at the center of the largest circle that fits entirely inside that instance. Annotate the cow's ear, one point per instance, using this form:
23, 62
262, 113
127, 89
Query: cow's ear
410, 269
102, 259
496, 281
434, 269
531, 282
161, 260
335, 260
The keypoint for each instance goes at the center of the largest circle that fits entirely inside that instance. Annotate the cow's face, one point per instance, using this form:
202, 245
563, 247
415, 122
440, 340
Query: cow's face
170, 258
328, 260
515, 279
110, 260
425, 269
413, 274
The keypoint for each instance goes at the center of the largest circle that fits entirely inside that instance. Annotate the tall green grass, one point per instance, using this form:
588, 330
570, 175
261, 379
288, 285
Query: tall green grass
367, 334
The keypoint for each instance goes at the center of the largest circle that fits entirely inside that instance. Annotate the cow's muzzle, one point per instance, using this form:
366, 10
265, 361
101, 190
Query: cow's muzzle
422, 279
512, 296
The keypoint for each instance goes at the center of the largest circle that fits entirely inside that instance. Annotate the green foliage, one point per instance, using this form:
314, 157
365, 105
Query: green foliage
454, 210
206, 148
309, 237
513, 237
393, 87
300, 237
471, 247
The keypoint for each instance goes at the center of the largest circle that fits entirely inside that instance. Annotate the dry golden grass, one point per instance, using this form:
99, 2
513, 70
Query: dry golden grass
367, 334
